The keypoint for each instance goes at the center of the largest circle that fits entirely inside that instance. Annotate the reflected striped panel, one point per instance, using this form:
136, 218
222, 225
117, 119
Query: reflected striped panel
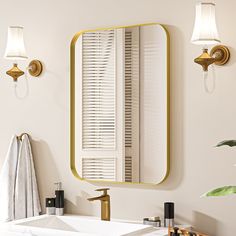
128, 169
128, 89
99, 168
99, 90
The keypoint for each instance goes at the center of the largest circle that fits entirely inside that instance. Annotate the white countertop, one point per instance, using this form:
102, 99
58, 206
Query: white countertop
21, 227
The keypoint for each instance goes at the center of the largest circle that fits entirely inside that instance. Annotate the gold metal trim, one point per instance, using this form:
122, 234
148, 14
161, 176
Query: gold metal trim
204, 60
184, 231
207, 3
205, 39
15, 72
35, 68
105, 203
72, 105
221, 54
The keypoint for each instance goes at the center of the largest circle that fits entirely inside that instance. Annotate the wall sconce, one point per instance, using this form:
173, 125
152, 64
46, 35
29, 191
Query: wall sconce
15, 51
205, 33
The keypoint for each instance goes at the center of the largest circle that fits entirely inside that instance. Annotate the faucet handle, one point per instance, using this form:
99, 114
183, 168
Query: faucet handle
103, 189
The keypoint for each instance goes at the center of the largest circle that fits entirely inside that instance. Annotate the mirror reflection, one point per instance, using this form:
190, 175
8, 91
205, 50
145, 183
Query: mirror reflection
121, 104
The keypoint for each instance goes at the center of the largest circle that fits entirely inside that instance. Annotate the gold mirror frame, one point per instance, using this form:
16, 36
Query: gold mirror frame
72, 105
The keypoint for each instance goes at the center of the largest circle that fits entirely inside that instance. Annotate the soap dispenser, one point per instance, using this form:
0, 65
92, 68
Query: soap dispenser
169, 214
59, 200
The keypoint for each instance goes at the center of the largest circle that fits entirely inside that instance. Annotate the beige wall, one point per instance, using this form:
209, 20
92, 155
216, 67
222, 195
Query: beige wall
198, 120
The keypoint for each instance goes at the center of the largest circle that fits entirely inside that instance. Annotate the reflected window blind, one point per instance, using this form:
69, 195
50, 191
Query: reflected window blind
99, 168
99, 97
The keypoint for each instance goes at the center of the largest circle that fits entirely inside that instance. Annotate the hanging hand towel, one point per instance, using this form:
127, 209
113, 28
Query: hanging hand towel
7, 181
27, 203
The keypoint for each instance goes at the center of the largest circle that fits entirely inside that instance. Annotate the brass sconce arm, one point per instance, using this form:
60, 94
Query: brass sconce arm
219, 55
35, 68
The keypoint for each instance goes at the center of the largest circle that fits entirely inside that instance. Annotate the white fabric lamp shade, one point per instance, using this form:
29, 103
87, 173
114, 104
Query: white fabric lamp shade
205, 29
15, 49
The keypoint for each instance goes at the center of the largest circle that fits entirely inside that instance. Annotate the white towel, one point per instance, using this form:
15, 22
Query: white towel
27, 203
7, 181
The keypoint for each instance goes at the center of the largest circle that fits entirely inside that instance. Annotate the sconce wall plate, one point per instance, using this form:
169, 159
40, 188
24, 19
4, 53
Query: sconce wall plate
221, 54
35, 68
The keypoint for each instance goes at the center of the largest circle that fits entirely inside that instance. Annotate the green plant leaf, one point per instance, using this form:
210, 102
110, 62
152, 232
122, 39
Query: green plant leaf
223, 191
230, 143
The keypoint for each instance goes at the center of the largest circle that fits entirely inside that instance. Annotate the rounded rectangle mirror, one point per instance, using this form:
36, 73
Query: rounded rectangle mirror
120, 104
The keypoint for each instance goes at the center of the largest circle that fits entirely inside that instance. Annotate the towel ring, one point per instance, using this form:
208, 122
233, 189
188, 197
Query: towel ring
20, 136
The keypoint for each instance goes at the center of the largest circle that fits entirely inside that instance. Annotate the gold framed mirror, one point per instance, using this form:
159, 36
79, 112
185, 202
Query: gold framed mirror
119, 104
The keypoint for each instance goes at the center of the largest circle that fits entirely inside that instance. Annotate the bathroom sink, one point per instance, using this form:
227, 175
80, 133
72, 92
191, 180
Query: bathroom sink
77, 225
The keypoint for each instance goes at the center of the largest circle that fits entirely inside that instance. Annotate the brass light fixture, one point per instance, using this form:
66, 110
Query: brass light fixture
205, 33
219, 55
15, 50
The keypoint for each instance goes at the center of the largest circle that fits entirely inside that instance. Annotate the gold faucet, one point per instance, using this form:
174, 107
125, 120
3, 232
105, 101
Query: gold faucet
105, 204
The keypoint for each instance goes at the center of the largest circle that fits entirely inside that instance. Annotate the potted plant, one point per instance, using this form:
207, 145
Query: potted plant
226, 190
